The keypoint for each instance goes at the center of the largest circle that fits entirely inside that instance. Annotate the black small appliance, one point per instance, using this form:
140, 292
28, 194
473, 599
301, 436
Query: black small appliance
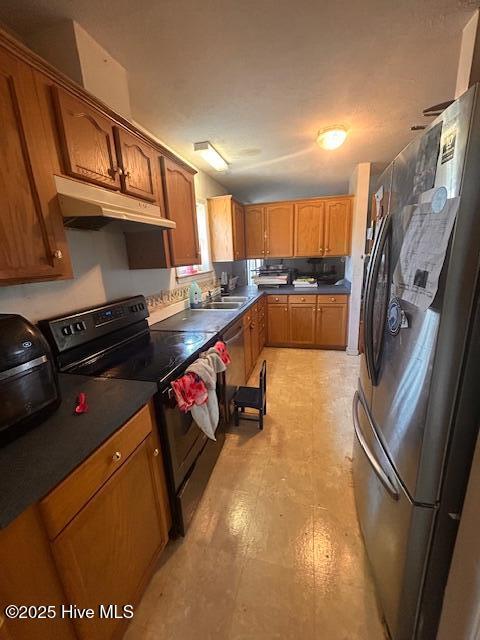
28, 382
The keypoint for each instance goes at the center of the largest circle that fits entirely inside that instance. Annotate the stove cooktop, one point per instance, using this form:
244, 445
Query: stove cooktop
154, 356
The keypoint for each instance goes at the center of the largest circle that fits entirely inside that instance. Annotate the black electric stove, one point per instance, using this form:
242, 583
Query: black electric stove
114, 341
152, 356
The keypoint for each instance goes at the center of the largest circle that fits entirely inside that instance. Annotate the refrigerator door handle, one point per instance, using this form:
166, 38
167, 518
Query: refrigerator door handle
372, 280
376, 466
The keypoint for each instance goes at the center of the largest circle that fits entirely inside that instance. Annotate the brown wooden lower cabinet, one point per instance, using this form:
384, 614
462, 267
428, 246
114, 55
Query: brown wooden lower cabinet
247, 333
254, 334
277, 324
331, 325
302, 323
105, 553
307, 321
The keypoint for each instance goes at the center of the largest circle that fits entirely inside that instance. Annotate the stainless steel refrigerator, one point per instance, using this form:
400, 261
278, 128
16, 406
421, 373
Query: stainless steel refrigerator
417, 406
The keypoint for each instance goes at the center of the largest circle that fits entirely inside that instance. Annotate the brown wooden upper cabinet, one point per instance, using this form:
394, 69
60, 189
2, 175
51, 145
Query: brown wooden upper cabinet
180, 206
279, 230
227, 229
309, 228
254, 231
269, 230
32, 240
138, 166
323, 227
87, 141
338, 226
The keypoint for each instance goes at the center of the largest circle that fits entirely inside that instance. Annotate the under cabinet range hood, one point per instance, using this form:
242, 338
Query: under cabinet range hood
86, 206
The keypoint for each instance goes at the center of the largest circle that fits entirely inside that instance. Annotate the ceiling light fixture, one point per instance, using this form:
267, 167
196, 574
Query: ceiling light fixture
211, 155
332, 137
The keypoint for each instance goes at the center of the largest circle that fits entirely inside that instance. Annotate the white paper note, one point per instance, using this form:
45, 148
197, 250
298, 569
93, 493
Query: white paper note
423, 252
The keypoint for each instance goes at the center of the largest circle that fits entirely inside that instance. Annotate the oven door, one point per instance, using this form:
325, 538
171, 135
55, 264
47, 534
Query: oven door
184, 439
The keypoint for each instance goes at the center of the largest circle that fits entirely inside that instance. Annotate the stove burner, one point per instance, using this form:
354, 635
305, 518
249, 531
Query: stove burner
188, 339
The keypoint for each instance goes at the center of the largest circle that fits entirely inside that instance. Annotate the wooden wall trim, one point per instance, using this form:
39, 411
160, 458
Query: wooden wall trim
20, 50
298, 200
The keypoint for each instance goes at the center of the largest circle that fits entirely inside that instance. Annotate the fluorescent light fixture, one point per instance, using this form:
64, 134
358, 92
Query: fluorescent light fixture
332, 137
211, 155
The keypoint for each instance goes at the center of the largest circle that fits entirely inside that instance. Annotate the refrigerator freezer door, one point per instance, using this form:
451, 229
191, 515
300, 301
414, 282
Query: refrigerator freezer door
402, 389
395, 531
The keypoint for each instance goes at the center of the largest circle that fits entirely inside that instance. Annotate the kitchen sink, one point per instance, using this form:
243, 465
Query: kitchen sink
241, 299
222, 305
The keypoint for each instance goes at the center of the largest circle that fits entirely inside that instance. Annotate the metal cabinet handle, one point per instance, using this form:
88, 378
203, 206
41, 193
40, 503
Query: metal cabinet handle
57, 254
156, 451
333, 299
116, 456
302, 299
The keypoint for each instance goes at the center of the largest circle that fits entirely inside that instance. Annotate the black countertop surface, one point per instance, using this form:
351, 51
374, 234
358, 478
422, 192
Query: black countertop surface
216, 322
35, 463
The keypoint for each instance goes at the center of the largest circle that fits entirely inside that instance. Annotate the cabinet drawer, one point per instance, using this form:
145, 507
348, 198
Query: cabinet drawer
299, 299
66, 500
277, 299
341, 299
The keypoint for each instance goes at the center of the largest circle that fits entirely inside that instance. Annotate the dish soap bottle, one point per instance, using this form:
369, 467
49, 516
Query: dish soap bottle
195, 295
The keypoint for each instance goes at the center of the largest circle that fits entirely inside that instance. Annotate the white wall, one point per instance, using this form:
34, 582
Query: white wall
468, 71
461, 607
359, 186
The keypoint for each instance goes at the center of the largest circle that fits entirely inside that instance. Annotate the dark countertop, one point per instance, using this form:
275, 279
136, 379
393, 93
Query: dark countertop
216, 322
35, 463
328, 289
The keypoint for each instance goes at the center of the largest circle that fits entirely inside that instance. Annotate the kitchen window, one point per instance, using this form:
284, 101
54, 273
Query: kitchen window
203, 240
252, 266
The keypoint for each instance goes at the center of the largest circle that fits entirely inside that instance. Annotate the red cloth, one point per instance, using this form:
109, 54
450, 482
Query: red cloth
221, 348
189, 390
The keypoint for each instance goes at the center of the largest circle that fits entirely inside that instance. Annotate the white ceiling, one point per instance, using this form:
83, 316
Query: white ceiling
258, 78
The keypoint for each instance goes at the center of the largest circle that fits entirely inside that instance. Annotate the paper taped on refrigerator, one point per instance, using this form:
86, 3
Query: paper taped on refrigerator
423, 252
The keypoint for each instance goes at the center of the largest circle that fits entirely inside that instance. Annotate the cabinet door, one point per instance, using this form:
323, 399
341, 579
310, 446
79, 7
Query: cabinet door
86, 140
309, 228
32, 240
238, 231
331, 325
255, 331
254, 232
139, 167
180, 206
105, 552
277, 324
302, 323
247, 332
279, 230
338, 227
